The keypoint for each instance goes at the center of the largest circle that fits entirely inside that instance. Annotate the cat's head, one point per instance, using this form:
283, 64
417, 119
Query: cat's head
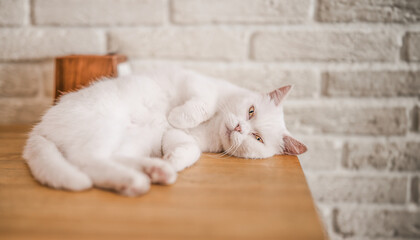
252, 126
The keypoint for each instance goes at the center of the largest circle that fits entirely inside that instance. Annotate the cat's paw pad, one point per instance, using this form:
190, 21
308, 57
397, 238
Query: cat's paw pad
163, 174
139, 186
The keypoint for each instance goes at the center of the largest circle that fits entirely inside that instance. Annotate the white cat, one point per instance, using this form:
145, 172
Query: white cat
124, 133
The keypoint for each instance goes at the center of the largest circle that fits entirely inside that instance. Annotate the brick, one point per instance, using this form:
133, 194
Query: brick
323, 154
325, 46
398, 11
412, 46
240, 11
341, 118
372, 83
13, 12
376, 222
17, 111
200, 44
17, 44
93, 12
393, 156
23, 79
358, 188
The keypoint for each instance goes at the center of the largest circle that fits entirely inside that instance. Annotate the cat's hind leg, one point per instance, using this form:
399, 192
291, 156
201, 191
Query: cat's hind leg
49, 166
158, 170
112, 175
180, 149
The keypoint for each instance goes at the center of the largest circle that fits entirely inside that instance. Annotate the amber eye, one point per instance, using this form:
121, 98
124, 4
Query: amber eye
251, 112
258, 138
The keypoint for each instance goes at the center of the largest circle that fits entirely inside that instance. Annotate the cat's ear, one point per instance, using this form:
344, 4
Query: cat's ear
293, 146
278, 95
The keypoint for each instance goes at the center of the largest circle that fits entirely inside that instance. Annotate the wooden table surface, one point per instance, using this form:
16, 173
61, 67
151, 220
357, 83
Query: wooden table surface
217, 198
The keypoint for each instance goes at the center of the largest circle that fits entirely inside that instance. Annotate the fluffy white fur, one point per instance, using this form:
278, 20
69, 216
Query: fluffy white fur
124, 134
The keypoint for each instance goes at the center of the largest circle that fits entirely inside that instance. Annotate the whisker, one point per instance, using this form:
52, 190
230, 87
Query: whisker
226, 152
237, 147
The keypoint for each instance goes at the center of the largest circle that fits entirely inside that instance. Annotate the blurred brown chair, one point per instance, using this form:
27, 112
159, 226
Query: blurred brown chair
76, 71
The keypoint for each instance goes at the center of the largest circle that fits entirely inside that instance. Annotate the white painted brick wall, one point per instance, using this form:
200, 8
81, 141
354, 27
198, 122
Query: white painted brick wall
370, 189
175, 43
261, 78
240, 11
393, 222
369, 11
38, 43
396, 155
322, 155
371, 83
355, 65
412, 46
14, 12
22, 110
23, 80
94, 12
341, 117
325, 46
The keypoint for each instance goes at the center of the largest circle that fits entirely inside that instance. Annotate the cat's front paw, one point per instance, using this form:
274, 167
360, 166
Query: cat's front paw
189, 115
162, 173
138, 186
181, 119
183, 157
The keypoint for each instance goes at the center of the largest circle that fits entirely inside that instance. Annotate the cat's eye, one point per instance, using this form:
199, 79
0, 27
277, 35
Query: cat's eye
251, 112
258, 137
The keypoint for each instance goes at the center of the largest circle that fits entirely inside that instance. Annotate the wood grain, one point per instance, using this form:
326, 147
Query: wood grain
217, 198
76, 71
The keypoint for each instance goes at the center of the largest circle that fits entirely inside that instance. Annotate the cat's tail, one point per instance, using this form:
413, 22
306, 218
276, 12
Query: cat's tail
49, 166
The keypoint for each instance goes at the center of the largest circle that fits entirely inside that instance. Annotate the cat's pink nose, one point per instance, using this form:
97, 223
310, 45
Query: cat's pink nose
238, 128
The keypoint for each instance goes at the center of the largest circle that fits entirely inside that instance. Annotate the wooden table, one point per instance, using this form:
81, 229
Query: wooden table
217, 198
